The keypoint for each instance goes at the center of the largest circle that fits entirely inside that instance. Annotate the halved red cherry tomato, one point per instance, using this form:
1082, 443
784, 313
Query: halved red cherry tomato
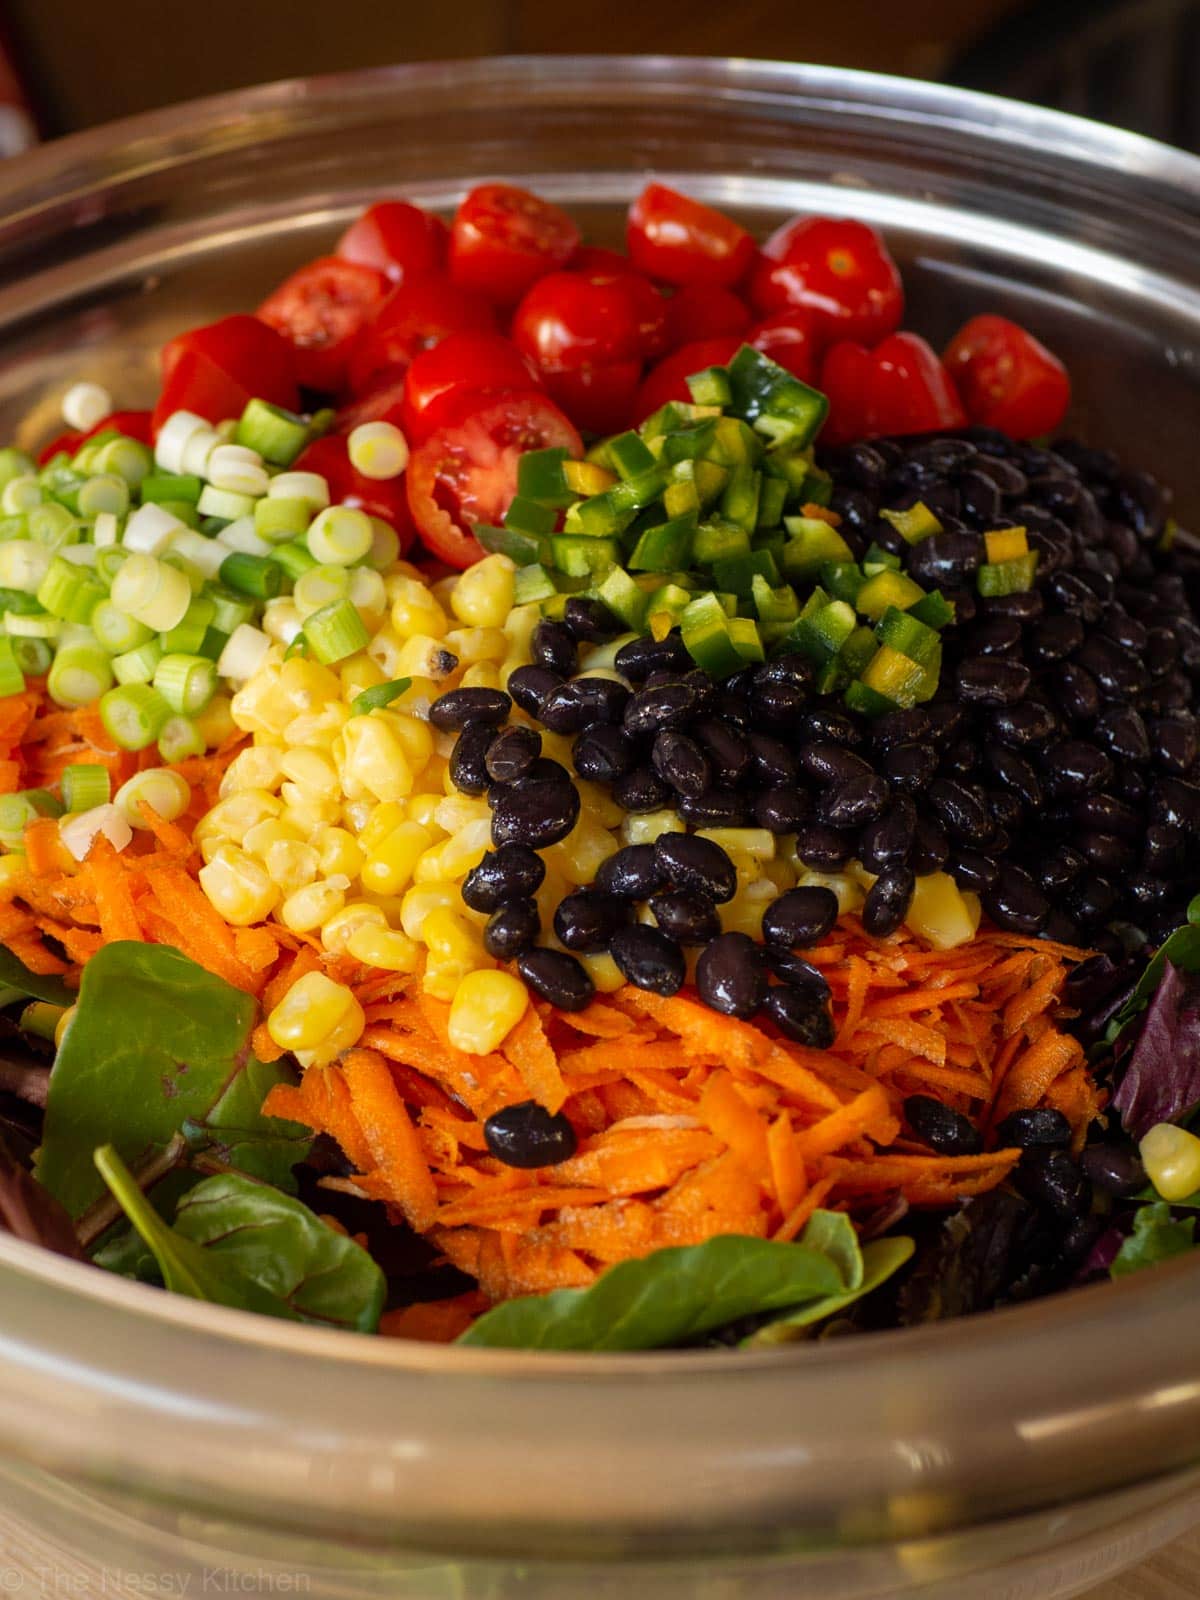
398, 239
133, 424
598, 265
681, 241
668, 380
839, 270
321, 310
414, 317
1007, 378
466, 473
503, 239
787, 337
597, 399
566, 322
378, 497
900, 387
704, 311
216, 369
483, 363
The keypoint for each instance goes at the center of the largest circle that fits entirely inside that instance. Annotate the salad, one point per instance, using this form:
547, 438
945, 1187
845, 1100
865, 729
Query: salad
559, 798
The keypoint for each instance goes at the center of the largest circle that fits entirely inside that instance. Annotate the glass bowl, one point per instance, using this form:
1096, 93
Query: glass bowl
172, 1447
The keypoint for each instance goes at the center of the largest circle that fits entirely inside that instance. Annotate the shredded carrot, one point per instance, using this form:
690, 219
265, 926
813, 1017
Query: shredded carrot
390, 1134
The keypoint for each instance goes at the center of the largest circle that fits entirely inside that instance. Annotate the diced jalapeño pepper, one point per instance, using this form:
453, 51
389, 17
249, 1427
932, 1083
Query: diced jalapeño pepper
623, 597
1007, 577
523, 548
711, 387
579, 554
665, 547
812, 543
887, 589
705, 627
541, 476
719, 541
737, 573
915, 524
629, 455
531, 583
773, 400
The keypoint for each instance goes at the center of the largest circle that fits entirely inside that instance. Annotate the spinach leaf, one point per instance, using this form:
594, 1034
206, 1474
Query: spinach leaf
240, 1243
156, 1042
879, 1260
236, 1133
1156, 1237
29, 1212
831, 1233
15, 974
667, 1298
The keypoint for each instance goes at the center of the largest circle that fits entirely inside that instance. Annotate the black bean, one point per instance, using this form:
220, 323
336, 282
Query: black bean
960, 811
589, 620
775, 703
1161, 652
511, 928
1052, 1180
586, 919
1060, 868
1015, 901
771, 760
529, 686
690, 918
552, 645
528, 1136
603, 754
555, 976
793, 969
931, 847
511, 754
991, 681
1073, 767
792, 669
690, 862
1123, 734
893, 729
581, 702
1107, 814
1147, 892
715, 808
537, 813
1039, 1128
853, 802
822, 848
889, 840
728, 752
1091, 901
800, 917
670, 705
455, 709
468, 759
910, 767
1025, 727
1118, 674
640, 657
1176, 803
781, 809
888, 900
1026, 605
1105, 851
961, 758
648, 958
1114, 1168
633, 873
641, 790
1164, 847
510, 873
971, 869
800, 1015
1006, 475
679, 761
941, 1127
996, 636
731, 976
1017, 774
1174, 743
832, 763
1073, 595
1125, 630
946, 559
1053, 639
1076, 691
980, 498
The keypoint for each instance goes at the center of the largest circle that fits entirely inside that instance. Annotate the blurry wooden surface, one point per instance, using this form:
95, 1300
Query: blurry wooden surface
1174, 1575
91, 62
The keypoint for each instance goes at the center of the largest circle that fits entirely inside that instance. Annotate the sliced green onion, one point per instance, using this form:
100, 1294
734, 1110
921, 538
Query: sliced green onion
244, 654
385, 545
12, 679
310, 487
225, 503
40, 1017
229, 610
152, 591
116, 630
168, 486
24, 618
33, 656
14, 527
16, 812
134, 715
320, 587
294, 557
21, 493
14, 464
298, 647
212, 644
23, 565
53, 526
139, 665
186, 682
179, 739
278, 520
80, 674
340, 536
69, 592
105, 492
254, 575
335, 632
167, 793
84, 785
378, 450
378, 695
277, 435
367, 591
109, 562
187, 636
128, 458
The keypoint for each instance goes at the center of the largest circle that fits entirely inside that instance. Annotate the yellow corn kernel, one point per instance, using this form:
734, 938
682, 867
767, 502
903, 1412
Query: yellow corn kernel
378, 946
415, 610
391, 863
781, 874
941, 913
368, 596
339, 853
359, 672
451, 938
382, 819
598, 804
256, 767
215, 723
547, 895
744, 913
281, 619
423, 656
482, 675
309, 769
259, 839
290, 865
249, 703
477, 644
416, 737
442, 588
518, 630
208, 848
233, 817
384, 650
579, 856
317, 729
238, 887
1171, 1157
374, 761
483, 596
12, 869
647, 826
756, 843
337, 932
357, 813
557, 746
485, 1010
849, 892
433, 778
603, 971
423, 898
317, 1015
428, 868
459, 811
423, 808
306, 685
319, 810
465, 849
312, 906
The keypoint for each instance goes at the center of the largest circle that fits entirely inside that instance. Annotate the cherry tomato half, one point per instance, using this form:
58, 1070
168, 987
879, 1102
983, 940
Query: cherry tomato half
484, 363
1007, 378
398, 239
704, 311
840, 271
566, 322
415, 316
378, 497
216, 369
787, 337
466, 473
321, 310
900, 387
668, 380
503, 239
597, 399
599, 265
681, 241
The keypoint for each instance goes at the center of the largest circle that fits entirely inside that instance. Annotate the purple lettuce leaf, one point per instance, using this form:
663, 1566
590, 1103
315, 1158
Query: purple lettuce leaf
1161, 1083
32, 1213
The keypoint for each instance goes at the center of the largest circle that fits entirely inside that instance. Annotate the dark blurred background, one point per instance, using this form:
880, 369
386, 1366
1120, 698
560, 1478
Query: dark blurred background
1132, 62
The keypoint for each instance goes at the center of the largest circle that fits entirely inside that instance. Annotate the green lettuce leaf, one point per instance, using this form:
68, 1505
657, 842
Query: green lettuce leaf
880, 1260
15, 974
1156, 1237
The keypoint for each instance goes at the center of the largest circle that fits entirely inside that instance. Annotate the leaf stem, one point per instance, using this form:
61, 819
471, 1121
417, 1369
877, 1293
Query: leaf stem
98, 1218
